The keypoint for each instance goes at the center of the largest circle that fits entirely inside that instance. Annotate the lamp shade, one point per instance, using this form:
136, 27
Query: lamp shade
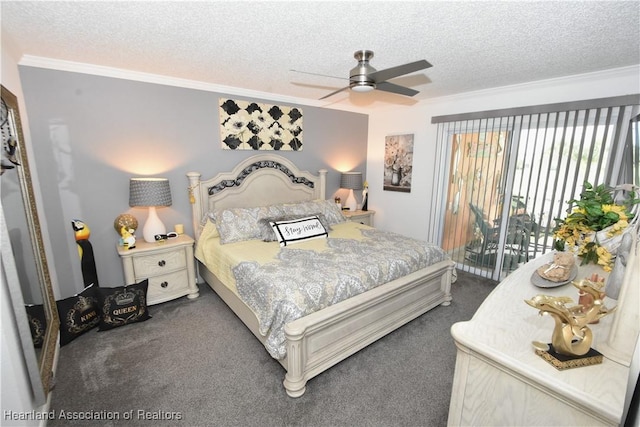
149, 192
351, 180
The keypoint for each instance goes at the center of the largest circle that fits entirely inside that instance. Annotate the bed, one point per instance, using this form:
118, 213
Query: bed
316, 341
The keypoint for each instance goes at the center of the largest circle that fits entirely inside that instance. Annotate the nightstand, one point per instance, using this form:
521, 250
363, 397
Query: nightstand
363, 217
169, 266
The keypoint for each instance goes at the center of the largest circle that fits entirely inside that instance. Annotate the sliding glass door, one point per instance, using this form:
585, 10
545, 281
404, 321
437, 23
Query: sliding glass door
509, 176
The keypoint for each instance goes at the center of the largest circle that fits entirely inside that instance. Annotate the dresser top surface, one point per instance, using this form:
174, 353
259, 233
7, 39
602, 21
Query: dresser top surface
504, 326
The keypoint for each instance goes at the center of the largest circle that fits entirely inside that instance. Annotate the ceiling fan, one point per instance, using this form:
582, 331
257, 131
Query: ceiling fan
364, 78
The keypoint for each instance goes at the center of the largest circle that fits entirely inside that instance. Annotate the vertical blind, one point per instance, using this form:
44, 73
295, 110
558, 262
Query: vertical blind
504, 176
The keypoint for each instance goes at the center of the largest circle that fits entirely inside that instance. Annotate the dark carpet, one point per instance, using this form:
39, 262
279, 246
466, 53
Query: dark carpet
195, 364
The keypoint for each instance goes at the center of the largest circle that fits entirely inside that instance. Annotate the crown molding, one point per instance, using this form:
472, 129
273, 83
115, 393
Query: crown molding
120, 73
593, 77
631, 72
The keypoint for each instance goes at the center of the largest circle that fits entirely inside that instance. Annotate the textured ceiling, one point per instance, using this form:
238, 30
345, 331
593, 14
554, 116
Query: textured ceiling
472, 45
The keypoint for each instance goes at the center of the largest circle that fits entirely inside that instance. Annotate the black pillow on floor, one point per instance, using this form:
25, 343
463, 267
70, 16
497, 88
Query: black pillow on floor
123, 305
37, 323
78, 314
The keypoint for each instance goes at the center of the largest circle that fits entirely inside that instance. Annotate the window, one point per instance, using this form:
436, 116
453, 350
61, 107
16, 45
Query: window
510, 173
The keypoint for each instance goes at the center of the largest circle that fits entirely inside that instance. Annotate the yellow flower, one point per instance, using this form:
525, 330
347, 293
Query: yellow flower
617, 228
613, 208
604, 258
595, 211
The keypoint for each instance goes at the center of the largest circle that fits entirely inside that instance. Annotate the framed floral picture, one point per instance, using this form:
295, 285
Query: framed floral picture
398, 162
246, 125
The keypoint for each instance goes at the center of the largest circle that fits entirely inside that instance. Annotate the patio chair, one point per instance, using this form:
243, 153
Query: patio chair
483, 251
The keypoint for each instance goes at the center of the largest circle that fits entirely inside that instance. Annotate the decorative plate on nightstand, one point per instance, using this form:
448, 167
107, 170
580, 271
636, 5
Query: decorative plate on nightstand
537, 280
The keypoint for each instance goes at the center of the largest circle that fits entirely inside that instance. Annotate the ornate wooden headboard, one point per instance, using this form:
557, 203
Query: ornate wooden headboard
259, 180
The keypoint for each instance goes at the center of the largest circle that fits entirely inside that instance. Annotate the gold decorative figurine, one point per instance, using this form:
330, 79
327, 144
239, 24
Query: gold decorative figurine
571, 335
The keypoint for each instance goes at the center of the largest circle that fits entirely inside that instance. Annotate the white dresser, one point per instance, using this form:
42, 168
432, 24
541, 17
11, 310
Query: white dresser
500, 381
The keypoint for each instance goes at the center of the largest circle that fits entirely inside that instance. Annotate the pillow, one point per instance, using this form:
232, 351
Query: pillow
298, 230
208, 221
37, 323
239, 224
267, 233
326, 207
123, 305
78, 314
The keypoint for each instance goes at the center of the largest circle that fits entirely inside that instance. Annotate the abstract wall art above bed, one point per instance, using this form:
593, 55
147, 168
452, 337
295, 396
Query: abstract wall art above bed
246, 125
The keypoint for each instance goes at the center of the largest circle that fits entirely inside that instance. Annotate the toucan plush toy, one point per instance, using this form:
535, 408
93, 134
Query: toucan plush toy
85, 251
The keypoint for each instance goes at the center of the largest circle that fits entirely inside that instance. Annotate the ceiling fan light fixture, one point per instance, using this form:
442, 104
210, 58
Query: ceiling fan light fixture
364, 78
363, 87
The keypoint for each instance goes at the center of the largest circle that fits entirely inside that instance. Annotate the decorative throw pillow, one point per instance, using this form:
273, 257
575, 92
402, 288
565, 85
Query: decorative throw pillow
326, 207
78, 314
330, 209
123, 305
37, 323
298, 230
239, 224
267, 233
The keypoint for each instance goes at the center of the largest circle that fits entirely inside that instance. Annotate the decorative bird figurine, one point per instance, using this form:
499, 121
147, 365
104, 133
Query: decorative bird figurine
85, 252
571, 335
9, 142
10, 150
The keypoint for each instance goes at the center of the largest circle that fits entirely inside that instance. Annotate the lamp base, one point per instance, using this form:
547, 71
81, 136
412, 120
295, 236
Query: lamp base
153, 226
351, 203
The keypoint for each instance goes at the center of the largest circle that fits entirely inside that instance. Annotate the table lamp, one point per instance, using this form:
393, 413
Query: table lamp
351, 181
150, 192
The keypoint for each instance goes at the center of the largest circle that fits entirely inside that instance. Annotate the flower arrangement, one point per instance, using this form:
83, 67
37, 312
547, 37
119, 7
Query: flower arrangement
399, 159
595, 218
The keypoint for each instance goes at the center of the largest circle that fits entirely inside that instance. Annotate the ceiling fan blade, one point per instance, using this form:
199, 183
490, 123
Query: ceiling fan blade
389, 73
316, 74
394, 88
336, 91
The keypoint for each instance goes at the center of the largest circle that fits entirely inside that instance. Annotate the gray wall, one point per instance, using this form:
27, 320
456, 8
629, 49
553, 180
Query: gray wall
91, 134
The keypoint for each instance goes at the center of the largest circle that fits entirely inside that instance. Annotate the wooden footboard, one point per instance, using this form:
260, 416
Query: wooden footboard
320, 340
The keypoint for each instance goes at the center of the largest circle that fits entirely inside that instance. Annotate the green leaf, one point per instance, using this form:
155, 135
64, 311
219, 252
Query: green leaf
594, 210
612, 216
558, 245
